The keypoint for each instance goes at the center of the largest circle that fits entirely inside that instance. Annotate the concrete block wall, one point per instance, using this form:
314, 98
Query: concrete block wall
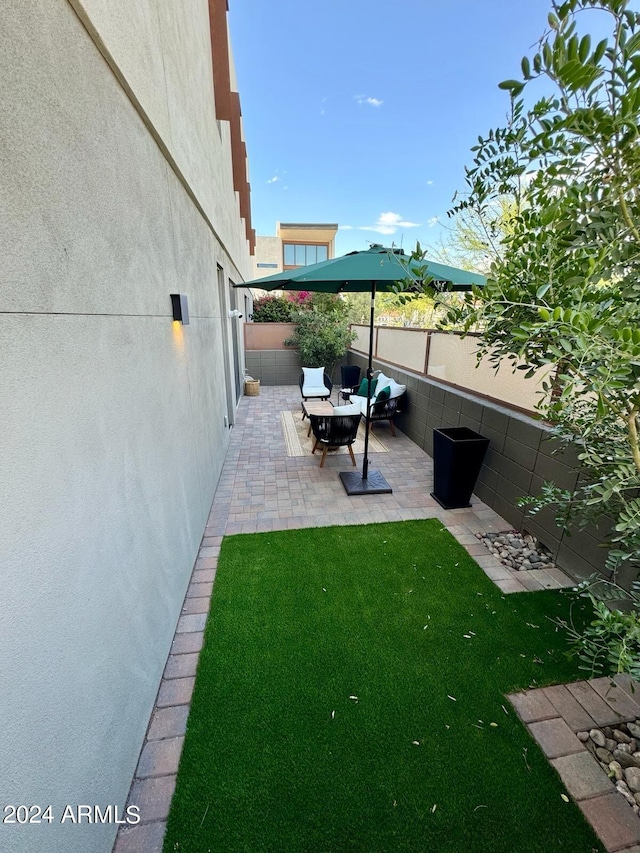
279, 366
273, 367
519, 460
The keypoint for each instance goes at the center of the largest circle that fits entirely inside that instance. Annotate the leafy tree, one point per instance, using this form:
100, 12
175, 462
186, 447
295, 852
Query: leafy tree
322, 334
476, 235
418, 312
273, 309
611, 642
564, 285
358, 306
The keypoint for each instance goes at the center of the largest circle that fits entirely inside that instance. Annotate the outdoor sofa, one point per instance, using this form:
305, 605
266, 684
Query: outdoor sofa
385, 398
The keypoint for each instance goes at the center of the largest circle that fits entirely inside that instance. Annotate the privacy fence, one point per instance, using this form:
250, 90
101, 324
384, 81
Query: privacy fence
448, 358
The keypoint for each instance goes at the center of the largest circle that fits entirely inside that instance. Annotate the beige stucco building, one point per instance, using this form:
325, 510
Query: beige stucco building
124, 180
295, 244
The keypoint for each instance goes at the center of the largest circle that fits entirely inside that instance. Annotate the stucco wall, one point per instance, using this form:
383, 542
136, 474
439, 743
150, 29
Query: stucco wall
448, 357
267, 336
162, 51
268, 251
113, 416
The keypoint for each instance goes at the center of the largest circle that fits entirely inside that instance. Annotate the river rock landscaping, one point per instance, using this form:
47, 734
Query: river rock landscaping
517, 551
617, 750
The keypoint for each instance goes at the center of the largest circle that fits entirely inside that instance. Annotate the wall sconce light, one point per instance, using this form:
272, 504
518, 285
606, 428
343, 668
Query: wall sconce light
235, 314
180, 308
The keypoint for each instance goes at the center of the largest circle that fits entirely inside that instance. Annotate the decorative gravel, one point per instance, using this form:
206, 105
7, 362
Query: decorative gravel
617, 750
521, 552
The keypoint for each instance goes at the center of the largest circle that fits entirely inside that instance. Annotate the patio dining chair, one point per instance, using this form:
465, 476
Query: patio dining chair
332, 431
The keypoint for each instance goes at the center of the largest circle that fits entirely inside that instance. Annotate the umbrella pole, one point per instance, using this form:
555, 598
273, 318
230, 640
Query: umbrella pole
370, 483
365, 463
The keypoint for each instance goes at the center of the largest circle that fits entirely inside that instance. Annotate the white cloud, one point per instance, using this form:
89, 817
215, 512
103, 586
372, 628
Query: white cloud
433, 221
273, 179
389, 223
372, 102
429, 183
345, 227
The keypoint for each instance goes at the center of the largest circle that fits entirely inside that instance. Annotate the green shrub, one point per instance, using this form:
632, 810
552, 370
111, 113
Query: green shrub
322, 334
273, 309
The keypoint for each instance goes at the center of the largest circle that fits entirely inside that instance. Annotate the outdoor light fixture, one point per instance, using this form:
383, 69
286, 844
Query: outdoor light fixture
235, 314
180, 308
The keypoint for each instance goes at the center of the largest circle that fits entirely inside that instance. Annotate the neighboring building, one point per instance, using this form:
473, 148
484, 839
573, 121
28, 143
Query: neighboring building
295, 245
124, 181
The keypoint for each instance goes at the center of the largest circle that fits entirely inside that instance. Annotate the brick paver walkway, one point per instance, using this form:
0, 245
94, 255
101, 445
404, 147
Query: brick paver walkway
553, 715
261, 489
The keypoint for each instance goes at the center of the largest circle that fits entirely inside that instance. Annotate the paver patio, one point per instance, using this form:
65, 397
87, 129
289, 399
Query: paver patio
261, 489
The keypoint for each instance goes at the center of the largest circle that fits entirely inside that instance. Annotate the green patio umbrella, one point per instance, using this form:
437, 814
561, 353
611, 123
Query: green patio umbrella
376, 268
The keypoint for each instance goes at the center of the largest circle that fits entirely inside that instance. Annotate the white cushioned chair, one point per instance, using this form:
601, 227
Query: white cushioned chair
384, 400
315, 384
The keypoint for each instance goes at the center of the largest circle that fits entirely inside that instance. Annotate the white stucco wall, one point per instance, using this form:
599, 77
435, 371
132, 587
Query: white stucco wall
112, 424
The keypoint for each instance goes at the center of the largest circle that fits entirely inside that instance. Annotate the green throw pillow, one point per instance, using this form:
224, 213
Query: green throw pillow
383, 394
362, 390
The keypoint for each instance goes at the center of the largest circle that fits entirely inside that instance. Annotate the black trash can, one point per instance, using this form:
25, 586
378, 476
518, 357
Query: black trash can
457, 458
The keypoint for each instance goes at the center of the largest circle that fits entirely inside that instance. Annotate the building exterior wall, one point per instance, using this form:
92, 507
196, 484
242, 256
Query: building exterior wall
268, 258
269, 253
117, 191
309, 232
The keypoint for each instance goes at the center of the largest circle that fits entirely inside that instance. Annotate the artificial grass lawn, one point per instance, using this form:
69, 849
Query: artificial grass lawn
280, 756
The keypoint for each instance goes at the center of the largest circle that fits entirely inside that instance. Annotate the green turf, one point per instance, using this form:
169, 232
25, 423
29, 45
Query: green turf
278, 755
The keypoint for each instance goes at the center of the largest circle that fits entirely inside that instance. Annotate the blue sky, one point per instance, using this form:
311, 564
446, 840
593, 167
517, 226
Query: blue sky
365, 114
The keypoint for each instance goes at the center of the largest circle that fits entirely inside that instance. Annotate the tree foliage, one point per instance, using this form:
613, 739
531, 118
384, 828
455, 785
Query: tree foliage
564, 289
273, 309
610, 643
322, 334
418, 313
475, 238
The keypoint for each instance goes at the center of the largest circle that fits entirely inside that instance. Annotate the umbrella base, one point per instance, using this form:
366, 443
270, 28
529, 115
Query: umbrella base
374, 484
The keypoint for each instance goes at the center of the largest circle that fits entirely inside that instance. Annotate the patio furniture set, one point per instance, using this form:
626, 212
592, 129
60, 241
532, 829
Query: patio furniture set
337, 426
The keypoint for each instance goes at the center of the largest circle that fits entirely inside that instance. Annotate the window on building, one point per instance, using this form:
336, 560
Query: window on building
303, 254
267, 266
